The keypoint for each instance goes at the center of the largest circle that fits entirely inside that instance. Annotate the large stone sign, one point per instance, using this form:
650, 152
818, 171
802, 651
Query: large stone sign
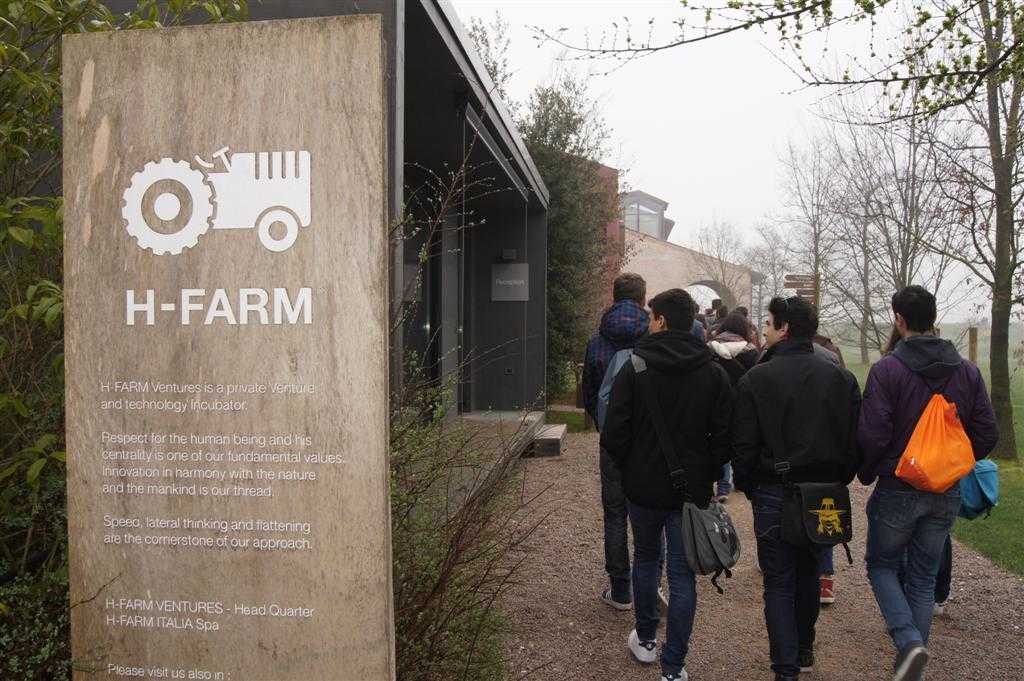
226, 336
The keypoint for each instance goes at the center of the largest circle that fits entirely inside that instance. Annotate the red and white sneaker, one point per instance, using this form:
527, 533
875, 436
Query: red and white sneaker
828, 590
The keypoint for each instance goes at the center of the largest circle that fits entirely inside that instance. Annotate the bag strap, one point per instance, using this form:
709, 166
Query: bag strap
940, 391
933, 393
676, 471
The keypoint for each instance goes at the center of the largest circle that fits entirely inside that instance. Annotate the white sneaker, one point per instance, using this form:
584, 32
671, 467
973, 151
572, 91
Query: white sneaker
644, 652
681, 676
940, 608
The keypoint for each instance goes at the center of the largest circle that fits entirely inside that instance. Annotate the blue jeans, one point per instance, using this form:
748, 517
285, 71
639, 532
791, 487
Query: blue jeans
944, 578
828, 563
724, 484
791, 586
916, 525
649, 525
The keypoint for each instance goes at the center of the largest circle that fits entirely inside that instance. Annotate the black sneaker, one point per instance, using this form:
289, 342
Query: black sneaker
910, 663
806, 658
607, 599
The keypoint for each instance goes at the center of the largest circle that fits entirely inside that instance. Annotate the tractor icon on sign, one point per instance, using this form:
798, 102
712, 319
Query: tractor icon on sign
169, 204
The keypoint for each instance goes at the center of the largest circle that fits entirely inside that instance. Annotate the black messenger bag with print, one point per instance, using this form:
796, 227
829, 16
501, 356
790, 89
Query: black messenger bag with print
817, 515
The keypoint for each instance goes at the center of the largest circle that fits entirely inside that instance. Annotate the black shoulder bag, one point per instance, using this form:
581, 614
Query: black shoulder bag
710, 542
816, 514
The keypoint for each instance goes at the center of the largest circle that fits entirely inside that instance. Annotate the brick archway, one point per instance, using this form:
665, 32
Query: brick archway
721, 290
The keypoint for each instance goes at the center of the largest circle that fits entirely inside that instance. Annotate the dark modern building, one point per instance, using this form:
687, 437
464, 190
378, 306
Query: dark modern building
475, 302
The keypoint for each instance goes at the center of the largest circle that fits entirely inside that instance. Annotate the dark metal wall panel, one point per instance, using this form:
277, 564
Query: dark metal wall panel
449, 317
497, 338
536, 309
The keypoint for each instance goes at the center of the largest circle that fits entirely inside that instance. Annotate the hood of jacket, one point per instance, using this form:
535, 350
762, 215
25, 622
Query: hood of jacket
931, 357
623, 323
729, 346
673, 352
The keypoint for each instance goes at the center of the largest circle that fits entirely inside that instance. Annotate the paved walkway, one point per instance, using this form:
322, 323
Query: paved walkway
559, 629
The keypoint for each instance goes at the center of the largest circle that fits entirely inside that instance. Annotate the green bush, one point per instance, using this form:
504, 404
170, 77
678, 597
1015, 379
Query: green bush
34, 629
456, 514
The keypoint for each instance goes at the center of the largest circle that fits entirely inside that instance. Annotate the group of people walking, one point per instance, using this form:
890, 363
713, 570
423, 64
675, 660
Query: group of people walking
781, 415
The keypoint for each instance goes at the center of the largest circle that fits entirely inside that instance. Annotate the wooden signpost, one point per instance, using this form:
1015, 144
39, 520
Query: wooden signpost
227, 377
805, 286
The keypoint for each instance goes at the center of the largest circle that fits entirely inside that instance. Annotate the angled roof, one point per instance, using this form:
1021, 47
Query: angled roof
637, 195
447, 22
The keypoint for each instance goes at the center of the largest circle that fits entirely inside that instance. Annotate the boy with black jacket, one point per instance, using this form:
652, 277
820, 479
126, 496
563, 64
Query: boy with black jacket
796, 421
694, 396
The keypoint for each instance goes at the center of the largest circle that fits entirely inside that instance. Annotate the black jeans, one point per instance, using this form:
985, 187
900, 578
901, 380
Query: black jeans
791, 588
616, 546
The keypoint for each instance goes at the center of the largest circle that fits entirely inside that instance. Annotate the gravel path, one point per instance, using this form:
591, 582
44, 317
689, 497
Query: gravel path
559, 629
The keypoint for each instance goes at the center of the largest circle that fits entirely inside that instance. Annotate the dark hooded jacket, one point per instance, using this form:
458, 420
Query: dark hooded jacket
899, 387
799, 408
695, 399
622, 325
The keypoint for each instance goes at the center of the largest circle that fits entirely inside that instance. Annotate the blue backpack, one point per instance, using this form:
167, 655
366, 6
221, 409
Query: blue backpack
979, 490
604, 393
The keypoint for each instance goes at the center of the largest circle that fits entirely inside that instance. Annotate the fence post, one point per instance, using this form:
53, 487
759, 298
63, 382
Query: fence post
972, 344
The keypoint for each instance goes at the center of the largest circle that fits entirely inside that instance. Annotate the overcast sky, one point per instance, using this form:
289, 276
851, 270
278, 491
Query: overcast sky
701, 126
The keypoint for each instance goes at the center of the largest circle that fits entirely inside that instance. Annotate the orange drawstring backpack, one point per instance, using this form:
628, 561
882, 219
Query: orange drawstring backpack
939, 452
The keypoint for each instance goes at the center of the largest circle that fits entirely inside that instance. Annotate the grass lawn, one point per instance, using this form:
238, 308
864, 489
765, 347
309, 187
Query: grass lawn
573, 419
1000, 537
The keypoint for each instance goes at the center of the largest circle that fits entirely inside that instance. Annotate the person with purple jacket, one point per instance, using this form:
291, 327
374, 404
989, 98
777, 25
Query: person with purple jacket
902, 520
622, 325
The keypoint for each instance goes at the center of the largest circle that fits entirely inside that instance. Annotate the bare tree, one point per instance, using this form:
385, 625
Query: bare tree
809, 195
770, 258
720, 250
888, 208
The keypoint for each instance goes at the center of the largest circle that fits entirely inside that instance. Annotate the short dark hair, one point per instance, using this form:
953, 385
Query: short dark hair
676, 306
798, 312
737, 324
629, 286
917, 306
743, 311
